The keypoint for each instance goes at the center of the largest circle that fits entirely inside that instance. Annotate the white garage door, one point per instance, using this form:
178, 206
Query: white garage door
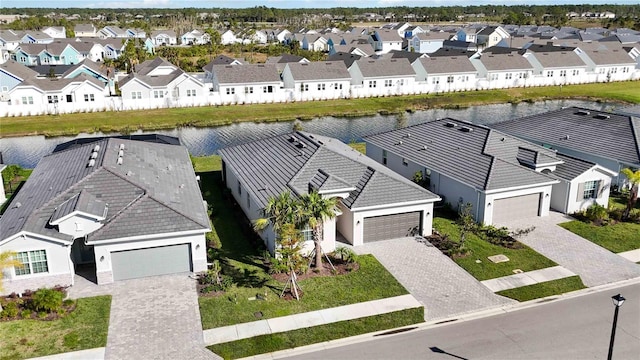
517, 207
131, 264
391, 226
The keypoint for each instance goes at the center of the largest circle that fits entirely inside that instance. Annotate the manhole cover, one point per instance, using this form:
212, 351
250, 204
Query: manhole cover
498, 258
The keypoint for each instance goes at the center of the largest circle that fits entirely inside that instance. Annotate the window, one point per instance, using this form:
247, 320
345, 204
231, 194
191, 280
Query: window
304, 87
231, 91
307, 234
248, 89
574, 73
89, 97
401, 82
5, 88
549, 73
52, 99
191, 92
373, 83
33, 262
601, 71
384, 157
494, 76
508, 76
590, 190
449, 79
321, 87
268, 89
23, 59
69, 98
27, 100
405, 162
337, 86
435, 80
614, 70
45, 60
388, 83
563, 73
625, 69
248, 202
158, 94
239, 188
136, 95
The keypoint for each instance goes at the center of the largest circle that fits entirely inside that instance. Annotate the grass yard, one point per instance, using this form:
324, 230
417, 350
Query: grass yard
85, 328
155, 119
544, 289
280, 341
525, 259
241, 259
615, 238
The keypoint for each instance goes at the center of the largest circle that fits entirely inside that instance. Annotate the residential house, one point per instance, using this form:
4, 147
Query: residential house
555, 66
384, 41
609, 65
35, 37
502, 70
281, 61
96, 70
157, 84
164, 37
314, 42
136, 33
373, 202
316, 81
218, 60
228, 38
195, 37
428, 42
9, 40
85, 30
248, 84
467, 34
607, 139
445, 73
130, 206
499, 175
382, 77
13, 73
112, 32
56, 32
492, 36
413, 30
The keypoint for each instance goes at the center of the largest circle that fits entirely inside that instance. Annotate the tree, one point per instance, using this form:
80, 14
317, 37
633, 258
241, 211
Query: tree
279, 211
315, 210
633, 177
466, 222
7, 260
289, 246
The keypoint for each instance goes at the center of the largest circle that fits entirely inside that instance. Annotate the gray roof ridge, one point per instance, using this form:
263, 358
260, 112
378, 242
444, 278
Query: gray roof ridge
109, 221
367, 175
302, 168
577, 159
487, 178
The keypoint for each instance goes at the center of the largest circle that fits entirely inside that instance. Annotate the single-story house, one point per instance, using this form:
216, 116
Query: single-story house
374, 203
254, 83
382, 77
317, 80
129, 206
498, 174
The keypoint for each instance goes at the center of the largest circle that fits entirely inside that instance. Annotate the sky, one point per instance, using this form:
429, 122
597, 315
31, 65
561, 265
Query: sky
283, 3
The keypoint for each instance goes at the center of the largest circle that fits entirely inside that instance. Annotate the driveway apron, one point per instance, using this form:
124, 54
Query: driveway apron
595, 265
444, 288
156, 318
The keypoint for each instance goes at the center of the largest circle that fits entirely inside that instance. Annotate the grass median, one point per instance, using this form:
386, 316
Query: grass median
210, 116
544, 289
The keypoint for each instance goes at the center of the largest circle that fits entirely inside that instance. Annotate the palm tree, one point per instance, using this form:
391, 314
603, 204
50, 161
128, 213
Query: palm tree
633, 177
315, 210
7, 260
280, 210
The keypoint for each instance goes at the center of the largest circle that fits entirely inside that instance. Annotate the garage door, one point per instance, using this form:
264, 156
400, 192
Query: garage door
518, 207
391, 226
131, 264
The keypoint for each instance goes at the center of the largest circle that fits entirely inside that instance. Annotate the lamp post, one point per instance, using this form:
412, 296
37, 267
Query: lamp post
618, 300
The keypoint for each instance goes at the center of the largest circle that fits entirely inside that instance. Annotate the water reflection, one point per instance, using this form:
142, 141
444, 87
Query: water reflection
27, 151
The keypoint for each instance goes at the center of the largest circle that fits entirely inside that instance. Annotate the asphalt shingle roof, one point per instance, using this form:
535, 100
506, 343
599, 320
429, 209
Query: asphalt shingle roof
319, 70
256, 73
612, 136
447, 65
18, 70
385, 67
572, 167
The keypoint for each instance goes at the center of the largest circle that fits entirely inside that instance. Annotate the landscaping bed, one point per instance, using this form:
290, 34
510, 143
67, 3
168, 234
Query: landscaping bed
544, 289
307, 336
84, 328
43, 304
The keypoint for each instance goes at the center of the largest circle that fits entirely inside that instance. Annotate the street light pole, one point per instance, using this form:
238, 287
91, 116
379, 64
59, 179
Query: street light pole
618, 300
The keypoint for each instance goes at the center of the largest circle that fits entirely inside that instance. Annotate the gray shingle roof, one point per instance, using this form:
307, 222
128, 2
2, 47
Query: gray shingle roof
616, 137
256, 73
82, 201
609, 57
319, 70
385, 67
498, 62
154, 178
59, 84
555, 59
18, 70
447, 65
479, 157
572, 167
270, 166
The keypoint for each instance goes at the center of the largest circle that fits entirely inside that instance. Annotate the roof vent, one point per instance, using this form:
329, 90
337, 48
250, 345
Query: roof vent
424, 147
120, 153
407, 135
466, 129
301, 145
292, 138
503, 139
583, 112
602, 116
566, 137
18, 204
91, 163
399, 142
450, 124
129, 173
121, 146
119, 160
94, 155
96, 148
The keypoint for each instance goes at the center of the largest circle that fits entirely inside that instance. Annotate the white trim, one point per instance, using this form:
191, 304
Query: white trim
147, 237
74, 213
521, 187
406, 203
24, 233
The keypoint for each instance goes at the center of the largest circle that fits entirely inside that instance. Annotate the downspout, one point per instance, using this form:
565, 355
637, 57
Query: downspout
567, 199
478, 206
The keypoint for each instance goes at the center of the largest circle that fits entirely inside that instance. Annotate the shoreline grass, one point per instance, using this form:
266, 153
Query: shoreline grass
211, 116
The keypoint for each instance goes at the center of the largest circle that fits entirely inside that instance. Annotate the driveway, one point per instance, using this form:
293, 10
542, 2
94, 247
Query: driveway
595, 265
444, 288
155, 318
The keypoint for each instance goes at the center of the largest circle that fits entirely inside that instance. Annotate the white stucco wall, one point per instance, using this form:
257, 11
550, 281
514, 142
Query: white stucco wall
79, 225
575, 203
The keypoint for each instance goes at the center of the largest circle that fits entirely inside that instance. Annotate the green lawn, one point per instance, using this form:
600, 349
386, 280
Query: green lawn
128, 121
615, 238
280, 341
544, 289
241, 259
85, 328
524, 259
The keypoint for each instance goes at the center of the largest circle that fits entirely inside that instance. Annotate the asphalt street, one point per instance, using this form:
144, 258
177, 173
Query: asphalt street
574, 328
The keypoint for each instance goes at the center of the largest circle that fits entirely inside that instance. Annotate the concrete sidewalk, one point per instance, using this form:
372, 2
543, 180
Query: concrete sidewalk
94, 354
632, 255
527, 278
309, 319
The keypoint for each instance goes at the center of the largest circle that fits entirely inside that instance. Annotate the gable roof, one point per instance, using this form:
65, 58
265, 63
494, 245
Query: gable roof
221, 60
612, 136
48, 84
270, 166
385, 67
17, 70
555, 59
318, 70
472, 154
447, 65
255, 73
154, 178
500, 62
609, 57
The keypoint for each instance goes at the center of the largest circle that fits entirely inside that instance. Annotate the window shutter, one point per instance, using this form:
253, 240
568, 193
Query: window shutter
580, 195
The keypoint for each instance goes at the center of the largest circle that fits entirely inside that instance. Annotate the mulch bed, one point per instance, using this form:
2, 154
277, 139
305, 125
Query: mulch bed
341, 268
23, 302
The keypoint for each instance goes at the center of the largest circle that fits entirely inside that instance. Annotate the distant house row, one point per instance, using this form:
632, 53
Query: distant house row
225, 81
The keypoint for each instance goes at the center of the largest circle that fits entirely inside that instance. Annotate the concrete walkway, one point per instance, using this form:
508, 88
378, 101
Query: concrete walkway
527, 278
97, 353
308, 319
594, 264
437, 282
632, 255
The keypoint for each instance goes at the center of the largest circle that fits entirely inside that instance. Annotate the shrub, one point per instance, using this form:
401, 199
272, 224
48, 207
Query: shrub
26, 314
10, 310
346, 254
597, 213
68, 302
46, 300
616, 214
634, 216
